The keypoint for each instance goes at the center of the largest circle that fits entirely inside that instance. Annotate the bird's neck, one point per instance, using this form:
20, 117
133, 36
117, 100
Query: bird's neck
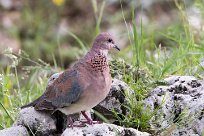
97, 60
99, 51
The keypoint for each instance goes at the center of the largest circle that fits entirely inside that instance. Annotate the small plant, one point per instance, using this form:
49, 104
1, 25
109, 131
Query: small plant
180, 53
180, 59
13, 94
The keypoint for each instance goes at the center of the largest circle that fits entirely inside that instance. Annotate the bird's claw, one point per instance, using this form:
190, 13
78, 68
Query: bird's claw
76, 125
91, 122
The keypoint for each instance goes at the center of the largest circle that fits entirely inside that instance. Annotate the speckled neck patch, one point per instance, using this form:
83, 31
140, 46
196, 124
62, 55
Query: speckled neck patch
99, 62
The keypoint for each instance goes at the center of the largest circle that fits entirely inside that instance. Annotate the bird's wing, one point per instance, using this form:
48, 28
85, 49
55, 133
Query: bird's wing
65, 90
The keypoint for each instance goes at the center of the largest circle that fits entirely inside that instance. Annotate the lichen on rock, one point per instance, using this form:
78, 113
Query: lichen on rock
103, 130
180, 103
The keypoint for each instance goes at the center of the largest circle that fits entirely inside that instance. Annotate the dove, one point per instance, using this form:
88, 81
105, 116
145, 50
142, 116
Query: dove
81, 87
53, 78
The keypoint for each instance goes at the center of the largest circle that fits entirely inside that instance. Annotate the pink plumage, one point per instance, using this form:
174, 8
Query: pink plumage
82, 86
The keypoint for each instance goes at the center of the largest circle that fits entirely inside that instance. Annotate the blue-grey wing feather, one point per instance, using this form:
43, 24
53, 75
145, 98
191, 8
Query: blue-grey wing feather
65, 90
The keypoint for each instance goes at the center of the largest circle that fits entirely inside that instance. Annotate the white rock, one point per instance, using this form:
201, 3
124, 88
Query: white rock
173, 79
40, 123
9, 4
115, 100
202, 63
9, 42
182, 99
6, 3
14, 131
103, 130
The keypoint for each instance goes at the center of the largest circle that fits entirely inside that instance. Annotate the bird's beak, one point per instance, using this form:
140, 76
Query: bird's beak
116, 47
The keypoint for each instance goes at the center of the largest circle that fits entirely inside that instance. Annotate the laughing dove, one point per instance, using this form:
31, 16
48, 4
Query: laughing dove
83, 86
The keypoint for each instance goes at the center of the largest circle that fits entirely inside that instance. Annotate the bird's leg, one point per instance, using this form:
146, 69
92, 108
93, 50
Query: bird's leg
71, 124
70, 121
89, 120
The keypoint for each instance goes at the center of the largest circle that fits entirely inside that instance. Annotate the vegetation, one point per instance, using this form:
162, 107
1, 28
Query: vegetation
152, 54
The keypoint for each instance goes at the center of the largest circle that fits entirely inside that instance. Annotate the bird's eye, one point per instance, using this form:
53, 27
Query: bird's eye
110, 40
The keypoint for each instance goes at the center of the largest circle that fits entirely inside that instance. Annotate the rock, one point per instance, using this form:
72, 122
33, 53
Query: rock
103, 130
202, 63
8, 45
40, 123
11, 4
198, 70
179, 104
173, 79
9, 20
9, 42
195, 19
115, 100
46, 123
14, 131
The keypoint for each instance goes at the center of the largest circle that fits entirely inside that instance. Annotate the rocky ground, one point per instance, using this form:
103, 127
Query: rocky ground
31, 122
180, 102
179, 108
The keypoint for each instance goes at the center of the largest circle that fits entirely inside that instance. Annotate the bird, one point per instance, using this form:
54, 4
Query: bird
53, 78
81, 87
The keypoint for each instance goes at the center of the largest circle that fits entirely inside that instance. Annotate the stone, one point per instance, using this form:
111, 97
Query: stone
180, 103
115, 100
103, 130
9, 42
11, 4
119, 68
198, 70
40, 123
202, 63
14, 131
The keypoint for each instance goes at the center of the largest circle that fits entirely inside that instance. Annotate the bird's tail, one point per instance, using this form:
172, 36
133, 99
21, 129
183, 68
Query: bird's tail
31, 104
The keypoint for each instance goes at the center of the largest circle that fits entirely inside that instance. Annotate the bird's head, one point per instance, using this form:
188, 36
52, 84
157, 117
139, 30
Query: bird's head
104, 41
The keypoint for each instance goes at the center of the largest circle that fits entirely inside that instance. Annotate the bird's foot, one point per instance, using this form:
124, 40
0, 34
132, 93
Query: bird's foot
69, 121
76, 125
91, 122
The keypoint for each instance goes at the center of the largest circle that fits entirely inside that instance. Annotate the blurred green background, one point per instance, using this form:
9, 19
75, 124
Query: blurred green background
47, 29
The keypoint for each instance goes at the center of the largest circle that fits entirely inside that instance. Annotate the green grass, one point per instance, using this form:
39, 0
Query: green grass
26, 78
178, 58
18, 89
